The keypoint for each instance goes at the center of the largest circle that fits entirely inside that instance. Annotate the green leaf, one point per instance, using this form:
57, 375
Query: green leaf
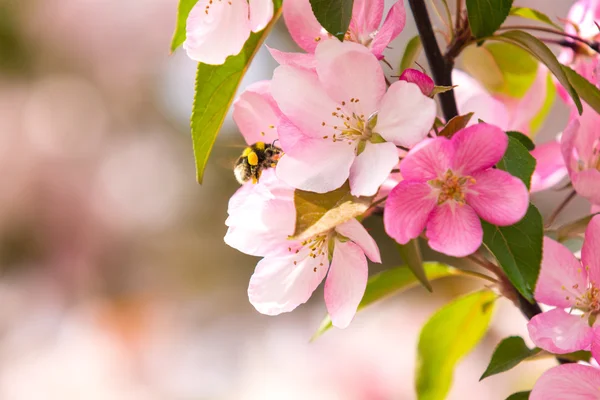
390, 282
524, 139
215, 89
333, 15
519, 68
183, 10
411, 255
440, 89
411, 53
455, 124
319, 212
451, 333
518, 249
535, 15
507, 355
479, 62
486, 16
519, 396
581, 355
588, 92
518, 161
574, 229
540, 51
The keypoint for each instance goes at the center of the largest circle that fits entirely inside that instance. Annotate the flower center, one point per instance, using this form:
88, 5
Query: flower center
452, 187
350, 126
207, 8
587, 302
316, 246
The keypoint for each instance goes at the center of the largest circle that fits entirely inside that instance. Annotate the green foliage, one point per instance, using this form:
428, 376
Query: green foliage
524, 139
183, 10
588, 92
390, 282
534, 15
507, 355
519, 68
518, 249
411, 255
540, 51
333, 15
215, 89
486, 16
517, 161
411, 53
519, 396
320, 212
455, 124
451, 333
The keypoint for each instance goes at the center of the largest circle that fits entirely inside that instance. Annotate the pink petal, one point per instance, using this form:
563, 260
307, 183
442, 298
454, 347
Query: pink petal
213, 37
406, 114
261, 12
587, 184
366, 16
454, 230
568, 381
407, 210
478, 147
430, 160
303, 100
338, 65
356, 232
296, 60
596, 344
550, 168
590, 253
372, 167
567, 145
302, 24
278, 285
321, 166
595, 209
498, 197
525, 109
391, 28
256, 113
560, 333
346, 282
588, 134
562, 279
423, 81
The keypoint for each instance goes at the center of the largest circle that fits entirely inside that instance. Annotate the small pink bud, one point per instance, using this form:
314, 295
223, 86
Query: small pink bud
423, 81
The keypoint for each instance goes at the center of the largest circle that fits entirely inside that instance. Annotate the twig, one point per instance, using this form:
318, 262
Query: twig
560, 208
592, 45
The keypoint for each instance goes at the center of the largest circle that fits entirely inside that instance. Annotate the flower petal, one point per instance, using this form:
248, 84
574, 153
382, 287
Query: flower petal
596, 343
406, 115
567, 145
423, 81
550, 168
356, 232
478, 147
498, 197
320, 166
216, 32
454, 230
278, 285
559, 332
590, 253
407, 210
261, 13
338, 65
296, 60
561, 279
372, 167
587, 184
429, 160
256, 114
302, 24
568, 381
346, 282
391, 28
367, 16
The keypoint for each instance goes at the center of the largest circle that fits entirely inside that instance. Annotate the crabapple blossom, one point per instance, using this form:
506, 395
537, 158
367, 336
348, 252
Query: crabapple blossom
339, 122
448, 185
256, 114
423, 81
261, 221
217, 29
567, 283
568, 381
364, 26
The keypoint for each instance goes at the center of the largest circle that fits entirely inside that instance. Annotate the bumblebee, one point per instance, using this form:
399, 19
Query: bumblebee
254, 160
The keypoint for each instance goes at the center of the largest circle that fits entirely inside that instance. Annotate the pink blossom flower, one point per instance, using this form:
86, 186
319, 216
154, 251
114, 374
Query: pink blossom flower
550, 168
217, 29
256, 113
580, 145
339, 121
568, 381
448, 185
262, 218
423, 81
364, 26
567, 283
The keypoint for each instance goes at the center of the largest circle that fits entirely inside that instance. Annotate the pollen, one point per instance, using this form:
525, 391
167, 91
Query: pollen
246, 151
252, 158
260, 145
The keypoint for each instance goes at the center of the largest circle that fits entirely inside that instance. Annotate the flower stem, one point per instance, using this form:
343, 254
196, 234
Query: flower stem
560, 208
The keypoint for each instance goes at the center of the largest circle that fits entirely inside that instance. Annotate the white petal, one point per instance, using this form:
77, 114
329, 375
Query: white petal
356, 232
372, 167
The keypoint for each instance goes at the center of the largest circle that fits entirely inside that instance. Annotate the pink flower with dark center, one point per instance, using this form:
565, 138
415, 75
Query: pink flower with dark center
568, 381
568, 283
364, 27
448, 185
261, 220
340, 122
217, 29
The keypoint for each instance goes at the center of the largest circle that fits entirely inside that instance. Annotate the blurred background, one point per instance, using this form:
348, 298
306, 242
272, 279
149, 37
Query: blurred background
115, 280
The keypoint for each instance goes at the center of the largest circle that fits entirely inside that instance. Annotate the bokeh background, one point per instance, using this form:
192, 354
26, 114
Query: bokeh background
115, 281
